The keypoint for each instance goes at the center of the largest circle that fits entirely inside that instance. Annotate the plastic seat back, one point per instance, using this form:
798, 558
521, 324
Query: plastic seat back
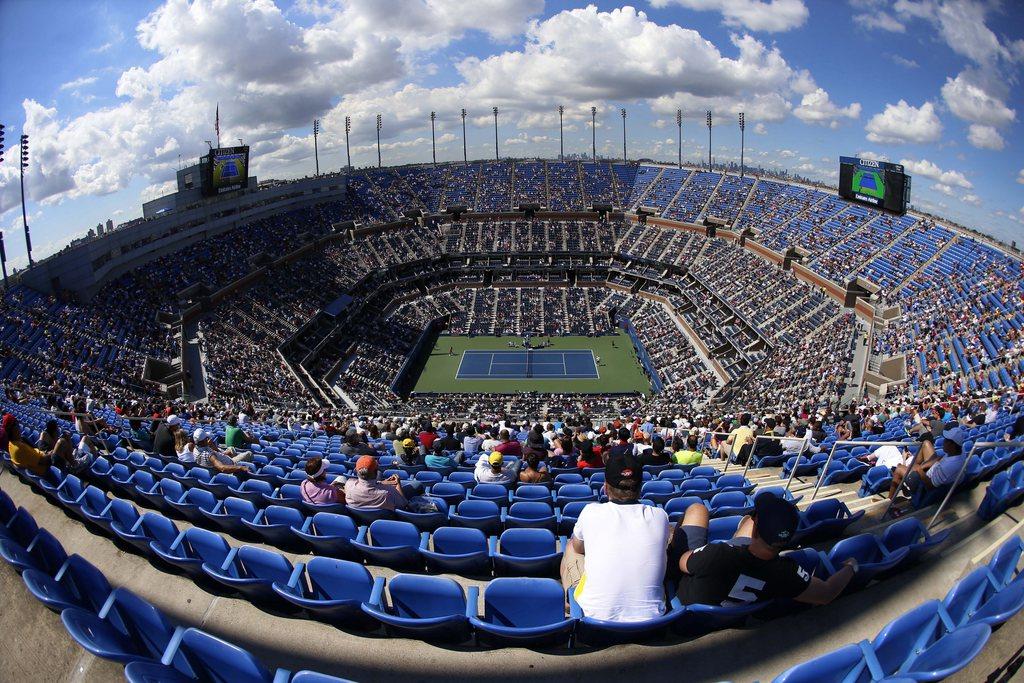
524, 602
527, 542
425, 597
389, 533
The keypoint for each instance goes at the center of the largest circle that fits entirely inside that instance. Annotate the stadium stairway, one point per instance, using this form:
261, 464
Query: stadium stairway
282, 640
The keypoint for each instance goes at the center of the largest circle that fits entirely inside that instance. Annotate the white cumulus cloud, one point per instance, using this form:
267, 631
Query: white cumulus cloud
985, 137
902, 123
932, 171
754, 15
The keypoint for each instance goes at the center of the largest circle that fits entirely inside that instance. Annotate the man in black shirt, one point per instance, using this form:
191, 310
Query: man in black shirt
748, 568
163, 437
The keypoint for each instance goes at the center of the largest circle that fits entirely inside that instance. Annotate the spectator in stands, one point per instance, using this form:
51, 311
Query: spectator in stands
236, 437
588, 455
439, 459
1015, 432
747, 568
315, 488
656, 455
408, 452
451, 443
532, 472
208, 455
427, 436
491, 469
364, 491
354, 446
69, 458
688, 455
490, 442
886, 456
931, 470
24, 454
5, 436
142, 437
184, 447
615, 562
471, 441
508, 445
164, 437
738, 437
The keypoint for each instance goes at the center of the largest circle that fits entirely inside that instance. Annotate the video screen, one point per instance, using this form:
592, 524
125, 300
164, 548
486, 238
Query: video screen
227, 169
877, 183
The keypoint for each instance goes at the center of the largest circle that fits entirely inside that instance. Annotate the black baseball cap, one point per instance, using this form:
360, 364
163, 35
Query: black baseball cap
776, 519
621, 469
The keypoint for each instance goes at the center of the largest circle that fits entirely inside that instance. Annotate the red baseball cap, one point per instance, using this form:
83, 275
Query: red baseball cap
366, 462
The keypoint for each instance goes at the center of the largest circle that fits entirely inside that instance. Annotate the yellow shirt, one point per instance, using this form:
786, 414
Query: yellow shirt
29, 458
739, 437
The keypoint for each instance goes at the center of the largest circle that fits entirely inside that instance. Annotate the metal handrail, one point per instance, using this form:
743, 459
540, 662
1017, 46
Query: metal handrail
803, 449
850, 442
963, 468
773, 437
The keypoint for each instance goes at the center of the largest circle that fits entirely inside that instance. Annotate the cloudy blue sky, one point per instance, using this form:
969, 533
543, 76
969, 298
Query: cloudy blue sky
113, 92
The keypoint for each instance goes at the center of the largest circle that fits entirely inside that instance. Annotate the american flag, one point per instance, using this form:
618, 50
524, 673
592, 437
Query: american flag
216, 124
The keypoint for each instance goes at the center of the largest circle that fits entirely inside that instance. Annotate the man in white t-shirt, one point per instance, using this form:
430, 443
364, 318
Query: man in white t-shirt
615, 563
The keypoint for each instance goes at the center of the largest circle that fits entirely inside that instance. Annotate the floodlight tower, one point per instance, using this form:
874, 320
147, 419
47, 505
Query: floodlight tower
378, 141
561, 139
24, 218
494, 110
709, 139
679, 125
623, 112
316, 154
3, 252
348, 151
433, 143
593, 132
465, 158
743, 126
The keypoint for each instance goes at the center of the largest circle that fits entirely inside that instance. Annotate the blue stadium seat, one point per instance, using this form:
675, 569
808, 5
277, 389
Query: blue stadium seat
192, 503
449, 491
1003, 564
919, 645
872, 558
20, 528
197, 655
532, 493
76, 584
44, 553
329, 589
252, 490
598, 632
252, 572
229, 513
391, 543
126, 629
477, 514
530, 514
367, 516
275, 525
823, 519
730, 503
329, 534
723, 528
573, 493
978, 599
425, 521
700, 487
876, 480
676, 507
568, 516
191, 549
734, 482
910, 533
94, 507
521, 612
495, 493
424, 607
457, 550
658, 491
527, 552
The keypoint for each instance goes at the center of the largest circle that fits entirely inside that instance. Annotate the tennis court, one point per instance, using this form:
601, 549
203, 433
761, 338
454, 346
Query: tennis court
524, 364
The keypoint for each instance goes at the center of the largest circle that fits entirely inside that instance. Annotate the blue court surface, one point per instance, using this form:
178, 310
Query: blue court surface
542, 363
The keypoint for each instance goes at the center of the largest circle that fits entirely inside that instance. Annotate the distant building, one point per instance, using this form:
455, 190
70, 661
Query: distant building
110, 225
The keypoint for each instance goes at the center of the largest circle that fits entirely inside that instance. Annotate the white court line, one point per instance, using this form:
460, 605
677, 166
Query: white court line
565, 370
490, 364
593, 359
458, 373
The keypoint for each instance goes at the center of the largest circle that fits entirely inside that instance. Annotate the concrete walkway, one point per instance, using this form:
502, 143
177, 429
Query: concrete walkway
294, 642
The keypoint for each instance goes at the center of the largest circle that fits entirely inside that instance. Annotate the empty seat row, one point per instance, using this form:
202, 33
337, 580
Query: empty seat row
114, 623
934, 640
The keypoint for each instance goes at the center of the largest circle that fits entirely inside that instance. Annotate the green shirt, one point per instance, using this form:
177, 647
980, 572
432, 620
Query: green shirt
234, 437
688, 457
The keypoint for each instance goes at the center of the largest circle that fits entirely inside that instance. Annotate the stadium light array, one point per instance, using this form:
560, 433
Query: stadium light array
3, 252
24, 216
465, 157
348, 152
743, 127
623, 112
433, 145
593, 132
378, 141
495, 110
679, 125
709, 139
561, 140
316, 154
